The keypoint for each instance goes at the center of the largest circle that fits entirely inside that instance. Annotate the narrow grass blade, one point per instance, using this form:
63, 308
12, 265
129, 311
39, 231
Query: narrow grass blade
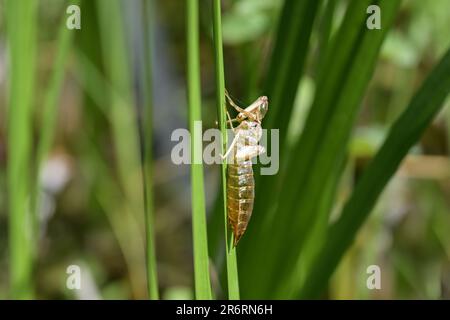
284, 74
21, 19
199, 233
314, 242
287, 62
285, 70
122, 111
232, 272
50, 107
122, 114
324, 30
97, 120
348, 67
329, 140
405, 132
119, 213
152, 275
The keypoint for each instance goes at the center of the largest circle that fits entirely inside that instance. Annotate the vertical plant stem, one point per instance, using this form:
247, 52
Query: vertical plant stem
232, 272
152, 275
201, 263
50, 107
324, 30
125, 131
21, 28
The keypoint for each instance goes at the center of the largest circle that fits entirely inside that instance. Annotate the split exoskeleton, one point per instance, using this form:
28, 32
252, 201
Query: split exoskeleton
244, 147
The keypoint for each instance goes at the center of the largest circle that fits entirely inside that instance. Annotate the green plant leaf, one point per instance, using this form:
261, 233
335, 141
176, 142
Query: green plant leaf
319, 151
152, 275
50, 108
230, 252
21, 28
282, 82
405, 132
199, 233
121, 112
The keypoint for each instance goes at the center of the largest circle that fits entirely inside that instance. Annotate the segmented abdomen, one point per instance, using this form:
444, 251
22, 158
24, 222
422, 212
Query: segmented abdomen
240, 197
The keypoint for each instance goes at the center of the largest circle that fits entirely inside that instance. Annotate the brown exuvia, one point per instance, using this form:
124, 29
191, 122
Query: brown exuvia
244, 147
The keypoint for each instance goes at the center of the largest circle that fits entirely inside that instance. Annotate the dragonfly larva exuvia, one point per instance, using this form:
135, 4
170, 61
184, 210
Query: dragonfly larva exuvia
244, 147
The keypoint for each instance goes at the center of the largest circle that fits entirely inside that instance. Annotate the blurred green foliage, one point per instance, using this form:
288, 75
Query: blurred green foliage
90, 184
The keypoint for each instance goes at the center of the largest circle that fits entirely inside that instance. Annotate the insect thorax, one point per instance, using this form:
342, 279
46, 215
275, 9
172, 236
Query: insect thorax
250, 132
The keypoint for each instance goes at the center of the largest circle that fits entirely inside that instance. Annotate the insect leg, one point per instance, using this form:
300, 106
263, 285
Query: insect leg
230, 121
239, 109
232, 103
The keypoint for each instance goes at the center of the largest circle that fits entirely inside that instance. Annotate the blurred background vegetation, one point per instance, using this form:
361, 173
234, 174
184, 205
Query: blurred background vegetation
87, 119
